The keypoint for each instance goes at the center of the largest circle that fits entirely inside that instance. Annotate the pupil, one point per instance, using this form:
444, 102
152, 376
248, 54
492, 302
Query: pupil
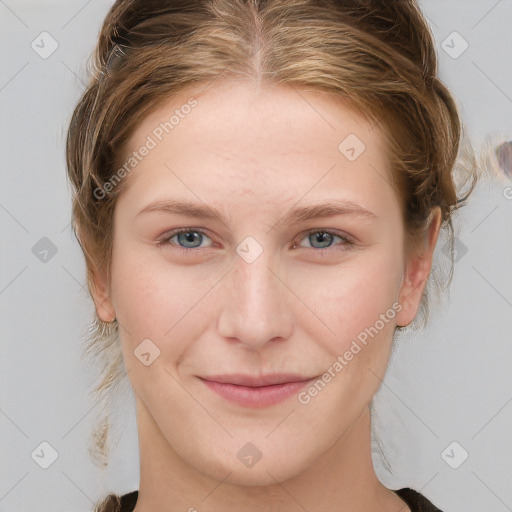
189, 236
322, 236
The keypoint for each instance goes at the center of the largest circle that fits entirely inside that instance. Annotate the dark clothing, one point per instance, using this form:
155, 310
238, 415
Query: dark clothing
415, 501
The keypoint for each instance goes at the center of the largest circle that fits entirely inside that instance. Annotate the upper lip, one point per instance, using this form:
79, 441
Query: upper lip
257, 381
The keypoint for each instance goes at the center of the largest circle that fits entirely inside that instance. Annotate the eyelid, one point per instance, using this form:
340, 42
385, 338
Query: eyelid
347, 240
164, 240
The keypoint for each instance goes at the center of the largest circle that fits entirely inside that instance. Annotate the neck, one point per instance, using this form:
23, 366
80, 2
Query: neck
342, 479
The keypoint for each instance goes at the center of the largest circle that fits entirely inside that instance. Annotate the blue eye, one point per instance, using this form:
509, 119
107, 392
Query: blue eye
325, 237
189, 239
185, 236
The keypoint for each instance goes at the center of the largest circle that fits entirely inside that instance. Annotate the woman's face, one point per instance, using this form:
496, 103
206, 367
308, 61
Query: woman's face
272, 288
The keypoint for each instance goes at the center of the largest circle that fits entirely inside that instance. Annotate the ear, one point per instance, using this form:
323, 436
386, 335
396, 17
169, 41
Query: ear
417, 270
97, 280
100, 291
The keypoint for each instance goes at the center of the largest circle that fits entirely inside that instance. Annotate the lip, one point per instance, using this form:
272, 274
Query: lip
256, 392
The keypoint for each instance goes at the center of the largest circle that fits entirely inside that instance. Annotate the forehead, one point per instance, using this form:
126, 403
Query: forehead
240, 140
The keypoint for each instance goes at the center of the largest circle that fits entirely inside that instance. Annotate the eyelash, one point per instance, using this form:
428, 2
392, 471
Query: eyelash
165, 242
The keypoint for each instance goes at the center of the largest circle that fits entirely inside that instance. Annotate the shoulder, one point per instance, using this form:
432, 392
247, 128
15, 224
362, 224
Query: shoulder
416, 501
126, 503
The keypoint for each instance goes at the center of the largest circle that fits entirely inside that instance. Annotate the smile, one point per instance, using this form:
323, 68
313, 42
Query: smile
256, 392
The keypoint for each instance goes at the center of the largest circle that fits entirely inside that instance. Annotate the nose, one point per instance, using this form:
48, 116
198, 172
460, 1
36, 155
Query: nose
258, 304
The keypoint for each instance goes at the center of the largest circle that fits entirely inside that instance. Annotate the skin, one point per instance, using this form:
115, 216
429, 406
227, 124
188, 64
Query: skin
255, 152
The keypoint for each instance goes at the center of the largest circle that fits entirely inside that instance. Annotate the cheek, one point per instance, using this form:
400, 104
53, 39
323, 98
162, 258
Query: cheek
359, 304
153, 298
350, 299
157, 300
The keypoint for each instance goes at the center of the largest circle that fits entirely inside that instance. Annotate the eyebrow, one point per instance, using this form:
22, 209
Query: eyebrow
301, 214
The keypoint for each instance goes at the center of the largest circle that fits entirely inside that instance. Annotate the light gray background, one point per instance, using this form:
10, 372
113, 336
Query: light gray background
450, 383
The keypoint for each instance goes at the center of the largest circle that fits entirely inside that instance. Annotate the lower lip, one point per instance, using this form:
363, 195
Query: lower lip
263, 396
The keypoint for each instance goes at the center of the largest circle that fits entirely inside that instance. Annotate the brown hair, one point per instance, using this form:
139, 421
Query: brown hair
377, 55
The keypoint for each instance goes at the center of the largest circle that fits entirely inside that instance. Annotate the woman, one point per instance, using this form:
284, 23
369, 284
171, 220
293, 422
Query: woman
259, 187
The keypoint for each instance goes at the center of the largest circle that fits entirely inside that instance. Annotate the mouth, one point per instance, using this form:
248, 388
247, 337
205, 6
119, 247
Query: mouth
256, 392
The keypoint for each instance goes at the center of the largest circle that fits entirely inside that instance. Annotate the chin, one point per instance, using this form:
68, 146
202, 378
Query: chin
247, 465
263, 474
